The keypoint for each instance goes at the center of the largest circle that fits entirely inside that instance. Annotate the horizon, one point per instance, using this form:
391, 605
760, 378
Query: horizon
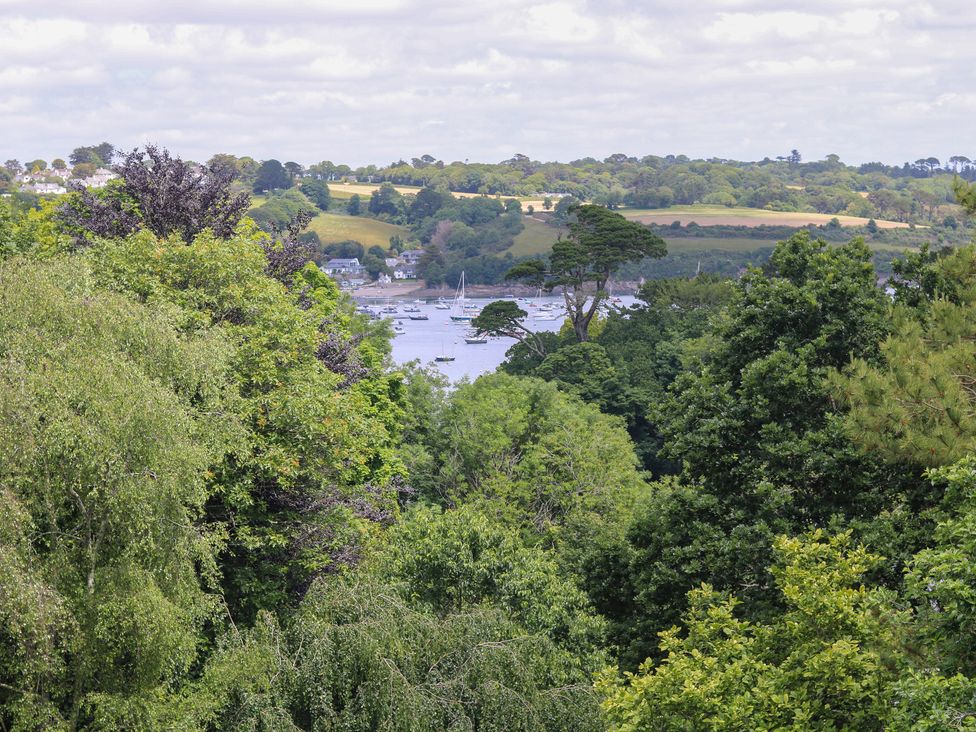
565, 80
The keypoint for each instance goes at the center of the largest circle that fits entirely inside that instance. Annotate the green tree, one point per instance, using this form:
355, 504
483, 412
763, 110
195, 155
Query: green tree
827, 662
354, 207
503, 318
317, 192
271, 176
761, 448
918, 402
315, 467
543, 459
386, 200
599, 243
109, 420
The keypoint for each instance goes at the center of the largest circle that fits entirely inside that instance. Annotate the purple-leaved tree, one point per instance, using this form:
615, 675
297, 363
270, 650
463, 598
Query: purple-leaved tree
163, 194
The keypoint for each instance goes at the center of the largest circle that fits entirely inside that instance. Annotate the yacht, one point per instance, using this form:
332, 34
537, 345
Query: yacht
458, 314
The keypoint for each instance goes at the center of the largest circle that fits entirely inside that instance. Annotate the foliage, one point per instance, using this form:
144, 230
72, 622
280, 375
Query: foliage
826, 662
538, 456
365, 659
503, 318
271, 176
456, 560
317, 192
162, 194
761, 449
316, 464
920, 403
110, 419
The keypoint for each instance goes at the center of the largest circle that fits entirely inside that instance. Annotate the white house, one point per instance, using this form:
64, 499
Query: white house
405, 272
340, 266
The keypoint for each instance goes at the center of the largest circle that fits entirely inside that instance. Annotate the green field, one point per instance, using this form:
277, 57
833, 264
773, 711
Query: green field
535, 238
333, 228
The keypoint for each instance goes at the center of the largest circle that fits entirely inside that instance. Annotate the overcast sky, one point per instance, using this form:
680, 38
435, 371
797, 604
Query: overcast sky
370, 81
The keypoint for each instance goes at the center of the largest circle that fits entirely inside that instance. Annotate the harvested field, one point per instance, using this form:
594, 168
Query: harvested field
721, 215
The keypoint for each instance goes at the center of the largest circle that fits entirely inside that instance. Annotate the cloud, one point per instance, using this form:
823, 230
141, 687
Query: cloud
375, 80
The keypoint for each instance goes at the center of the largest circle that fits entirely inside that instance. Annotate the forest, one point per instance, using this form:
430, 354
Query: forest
743, 503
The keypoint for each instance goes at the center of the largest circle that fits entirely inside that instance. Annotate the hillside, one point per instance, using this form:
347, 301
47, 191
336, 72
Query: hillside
332, 228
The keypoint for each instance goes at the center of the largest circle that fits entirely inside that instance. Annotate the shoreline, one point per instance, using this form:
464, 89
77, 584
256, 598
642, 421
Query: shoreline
420, 290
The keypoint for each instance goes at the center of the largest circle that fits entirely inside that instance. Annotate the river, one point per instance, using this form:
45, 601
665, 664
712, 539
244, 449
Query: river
424, 340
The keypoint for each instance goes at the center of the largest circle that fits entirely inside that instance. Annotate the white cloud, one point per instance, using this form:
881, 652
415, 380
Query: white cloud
374, 80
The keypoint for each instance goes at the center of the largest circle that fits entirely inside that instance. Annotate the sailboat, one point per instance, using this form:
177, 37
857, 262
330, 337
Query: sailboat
444, 357
458, 314
472, 338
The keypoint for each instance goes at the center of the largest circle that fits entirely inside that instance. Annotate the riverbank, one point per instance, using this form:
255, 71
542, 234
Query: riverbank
417, 289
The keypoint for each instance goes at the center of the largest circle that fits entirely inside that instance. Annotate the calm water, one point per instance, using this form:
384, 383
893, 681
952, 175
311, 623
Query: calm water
423, 340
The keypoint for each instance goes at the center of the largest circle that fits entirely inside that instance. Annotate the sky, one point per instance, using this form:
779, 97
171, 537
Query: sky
372, 81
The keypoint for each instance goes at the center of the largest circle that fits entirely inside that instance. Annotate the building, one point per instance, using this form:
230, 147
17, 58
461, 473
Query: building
45, 189
411, 256
405, 272
344, 267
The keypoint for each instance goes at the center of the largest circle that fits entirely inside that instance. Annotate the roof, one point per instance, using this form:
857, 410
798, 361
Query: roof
354, 262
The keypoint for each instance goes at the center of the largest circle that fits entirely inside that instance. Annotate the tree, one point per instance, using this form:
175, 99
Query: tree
59, 164
503, 318
162, 194
294, 169
919, 401
36, 166
318, 193
829, 661
533, 454
354, 207
110, 418
762, 448
271, 176
599, 243
97, 155
385, 200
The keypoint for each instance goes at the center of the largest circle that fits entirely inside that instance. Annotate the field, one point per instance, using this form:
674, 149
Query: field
333, 228
536, 238
717, 215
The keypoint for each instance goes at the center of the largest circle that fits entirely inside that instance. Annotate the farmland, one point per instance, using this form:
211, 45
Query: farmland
718, 215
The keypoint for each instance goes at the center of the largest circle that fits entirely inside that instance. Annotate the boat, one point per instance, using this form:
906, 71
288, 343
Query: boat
399, 330
420, 301
443, 359
473, 339
411, 309
458, 314
418, 316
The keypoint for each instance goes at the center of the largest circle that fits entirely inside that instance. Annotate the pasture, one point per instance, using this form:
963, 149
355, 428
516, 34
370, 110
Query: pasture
332, 228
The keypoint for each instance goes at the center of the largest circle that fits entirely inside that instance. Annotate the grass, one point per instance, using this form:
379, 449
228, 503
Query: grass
333, 228
535, 238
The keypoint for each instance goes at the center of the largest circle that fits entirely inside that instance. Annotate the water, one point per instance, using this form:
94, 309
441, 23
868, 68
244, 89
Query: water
423, 340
